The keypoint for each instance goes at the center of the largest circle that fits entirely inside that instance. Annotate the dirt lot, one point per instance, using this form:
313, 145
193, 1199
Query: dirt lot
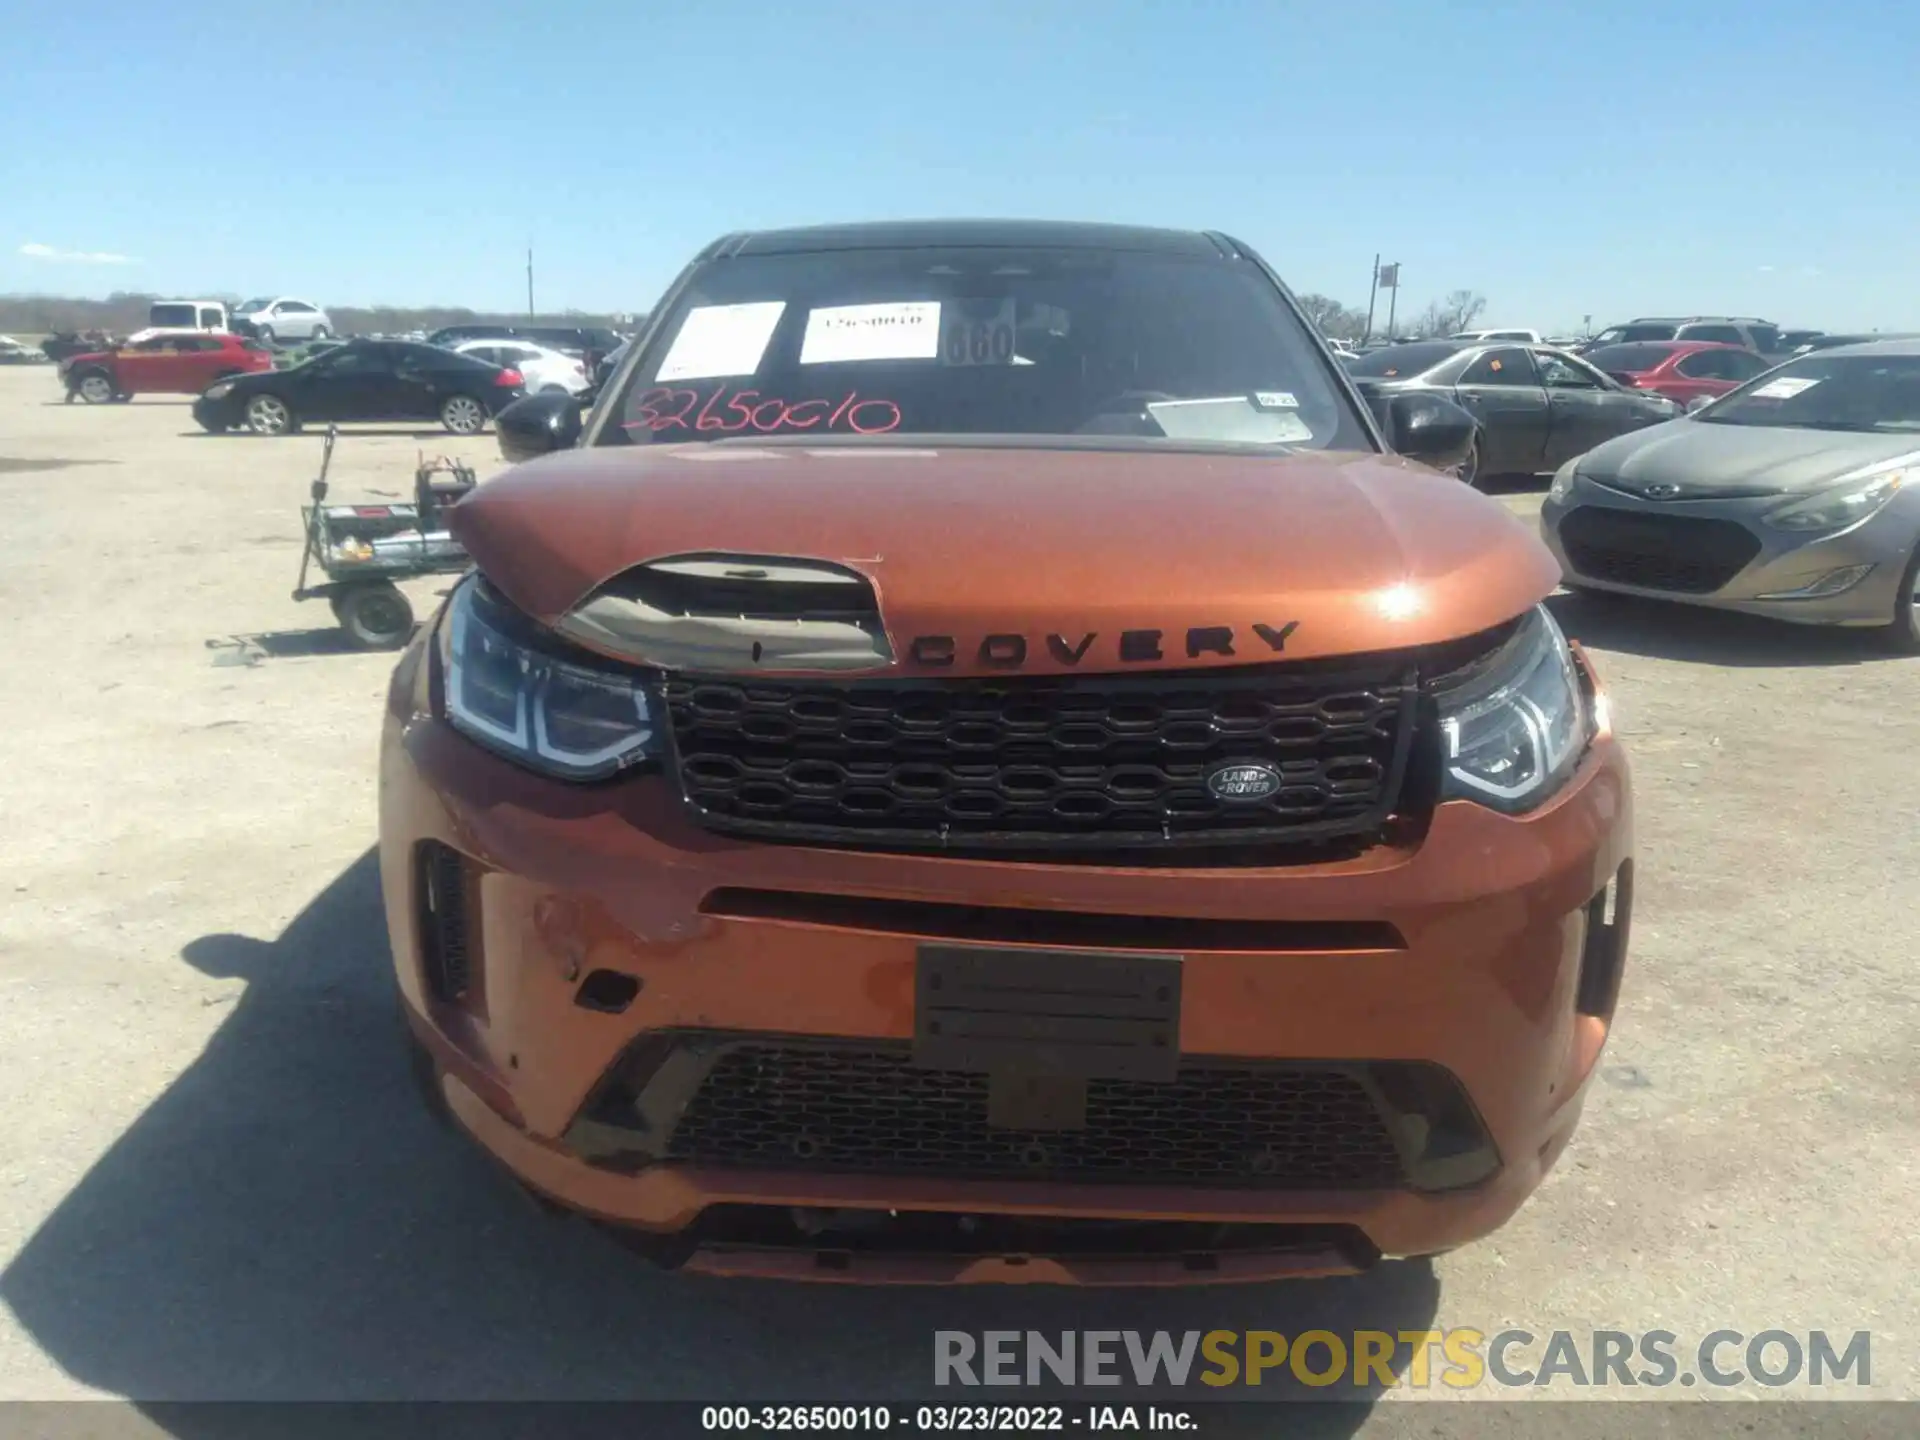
220, 1187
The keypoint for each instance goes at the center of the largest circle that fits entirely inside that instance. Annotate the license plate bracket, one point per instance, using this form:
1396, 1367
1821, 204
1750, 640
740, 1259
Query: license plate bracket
1023, 1010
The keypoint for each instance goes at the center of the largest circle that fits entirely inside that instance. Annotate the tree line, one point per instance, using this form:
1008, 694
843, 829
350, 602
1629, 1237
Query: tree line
1457, 311
124, 312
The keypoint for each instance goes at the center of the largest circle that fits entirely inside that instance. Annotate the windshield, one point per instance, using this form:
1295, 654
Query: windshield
1875, 393
182, 316
1400, 361
1630, 359
984, 341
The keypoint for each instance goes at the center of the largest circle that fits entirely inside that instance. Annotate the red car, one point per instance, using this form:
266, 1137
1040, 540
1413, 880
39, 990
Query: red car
173, 364
1681, 370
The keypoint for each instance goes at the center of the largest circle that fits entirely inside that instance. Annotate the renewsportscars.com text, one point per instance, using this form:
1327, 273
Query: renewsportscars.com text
1458, 1359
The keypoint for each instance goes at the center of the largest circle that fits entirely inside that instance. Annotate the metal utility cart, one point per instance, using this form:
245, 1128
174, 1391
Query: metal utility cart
364, 549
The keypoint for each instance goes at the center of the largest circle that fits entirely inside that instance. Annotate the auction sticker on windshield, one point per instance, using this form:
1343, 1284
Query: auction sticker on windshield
1229, 419
985, 338
721, 340
904, 330
1785, 388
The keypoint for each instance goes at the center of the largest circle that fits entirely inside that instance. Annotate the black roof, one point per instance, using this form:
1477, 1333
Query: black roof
911, 234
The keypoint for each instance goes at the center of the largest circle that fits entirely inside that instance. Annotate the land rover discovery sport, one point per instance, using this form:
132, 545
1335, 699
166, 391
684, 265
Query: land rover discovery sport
976, 760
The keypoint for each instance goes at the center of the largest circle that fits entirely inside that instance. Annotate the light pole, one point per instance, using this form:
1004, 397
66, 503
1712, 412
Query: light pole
1373, 293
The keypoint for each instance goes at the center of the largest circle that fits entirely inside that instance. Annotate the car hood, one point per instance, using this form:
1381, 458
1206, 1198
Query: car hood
1707, 459
983, 557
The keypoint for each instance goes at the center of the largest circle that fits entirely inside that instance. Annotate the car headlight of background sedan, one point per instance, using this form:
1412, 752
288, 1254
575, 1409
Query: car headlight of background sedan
1848, 503
219, 390
1562, 485
507, 690
1516, 728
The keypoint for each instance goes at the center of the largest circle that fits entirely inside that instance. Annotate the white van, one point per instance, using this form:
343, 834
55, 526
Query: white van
187, 315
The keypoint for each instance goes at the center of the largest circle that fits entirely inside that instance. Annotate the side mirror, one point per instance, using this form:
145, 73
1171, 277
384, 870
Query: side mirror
1699, 402
538, 425
1433, 431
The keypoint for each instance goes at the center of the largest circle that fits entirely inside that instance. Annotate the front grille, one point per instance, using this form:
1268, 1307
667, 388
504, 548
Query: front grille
1681, 553
1080, 762
868, 1108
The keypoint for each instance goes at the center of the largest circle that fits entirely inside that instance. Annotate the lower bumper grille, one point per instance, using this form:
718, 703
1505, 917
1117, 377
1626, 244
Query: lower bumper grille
1685, 554
795, 1103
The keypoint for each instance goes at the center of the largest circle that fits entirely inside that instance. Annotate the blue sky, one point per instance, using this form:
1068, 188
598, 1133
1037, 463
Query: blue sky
1602, 160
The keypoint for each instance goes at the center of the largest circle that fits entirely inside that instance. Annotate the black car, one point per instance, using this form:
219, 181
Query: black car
363, 380
1538, 407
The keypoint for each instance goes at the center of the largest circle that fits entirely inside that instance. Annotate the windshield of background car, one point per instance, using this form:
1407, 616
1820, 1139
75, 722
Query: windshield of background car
1632, 359
1399, 362
183, 316
1627, 334
251, 306
984, 341
1876, 393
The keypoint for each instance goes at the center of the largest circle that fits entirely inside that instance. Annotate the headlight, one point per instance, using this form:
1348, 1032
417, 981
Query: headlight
1846, 504
1562, 485
218, 391
1515, 729
573, 719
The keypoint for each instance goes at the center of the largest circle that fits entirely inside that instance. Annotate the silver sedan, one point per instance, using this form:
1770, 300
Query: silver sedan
1796, 496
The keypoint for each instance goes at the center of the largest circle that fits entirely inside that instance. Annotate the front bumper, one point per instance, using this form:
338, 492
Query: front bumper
1494, 982
1782, 564
221, 413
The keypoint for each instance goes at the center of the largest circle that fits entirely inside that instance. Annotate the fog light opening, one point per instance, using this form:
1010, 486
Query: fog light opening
1603, 955
445, 920
607, 991
1834, 582
1443, 1142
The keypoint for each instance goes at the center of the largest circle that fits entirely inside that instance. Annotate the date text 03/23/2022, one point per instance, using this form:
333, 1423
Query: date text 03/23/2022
948, 1419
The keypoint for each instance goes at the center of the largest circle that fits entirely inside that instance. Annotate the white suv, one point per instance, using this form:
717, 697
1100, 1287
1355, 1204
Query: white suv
544, 369
282, 319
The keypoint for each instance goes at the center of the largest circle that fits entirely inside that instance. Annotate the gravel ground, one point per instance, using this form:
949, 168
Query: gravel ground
220, 1187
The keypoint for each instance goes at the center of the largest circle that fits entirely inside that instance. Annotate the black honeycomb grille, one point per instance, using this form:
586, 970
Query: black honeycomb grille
869, 1109
1684, 554
1037, 762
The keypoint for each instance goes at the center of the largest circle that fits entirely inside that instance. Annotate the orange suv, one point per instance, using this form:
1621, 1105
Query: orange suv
980, 758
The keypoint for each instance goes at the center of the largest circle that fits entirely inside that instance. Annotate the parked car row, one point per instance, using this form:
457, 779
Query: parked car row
1537, 406
1762, 337
1794, 495
363, 380
244, 382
